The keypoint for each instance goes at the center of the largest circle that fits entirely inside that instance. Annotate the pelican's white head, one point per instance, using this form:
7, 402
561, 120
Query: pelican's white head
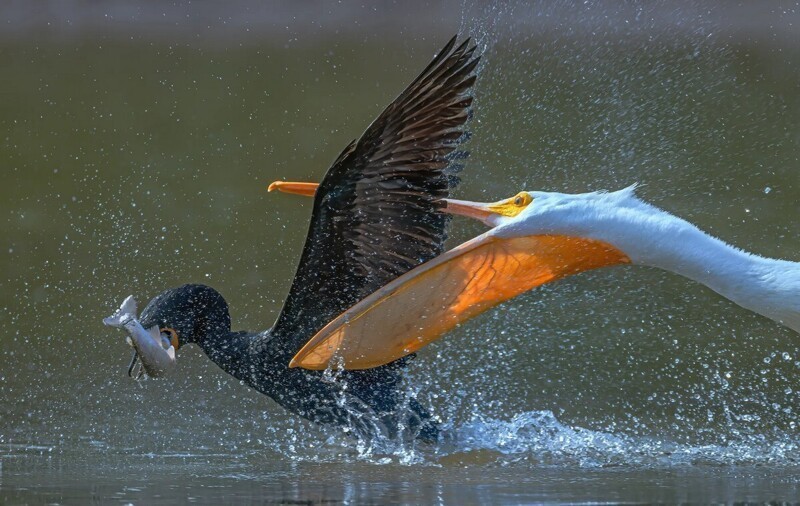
538, 212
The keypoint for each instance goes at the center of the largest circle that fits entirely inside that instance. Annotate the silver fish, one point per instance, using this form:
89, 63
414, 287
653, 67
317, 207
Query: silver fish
153, 349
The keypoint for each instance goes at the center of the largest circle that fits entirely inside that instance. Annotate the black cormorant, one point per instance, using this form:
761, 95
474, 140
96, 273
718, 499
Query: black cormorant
376, 215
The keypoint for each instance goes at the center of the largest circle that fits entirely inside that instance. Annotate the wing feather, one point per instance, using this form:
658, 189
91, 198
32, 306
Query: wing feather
376, 211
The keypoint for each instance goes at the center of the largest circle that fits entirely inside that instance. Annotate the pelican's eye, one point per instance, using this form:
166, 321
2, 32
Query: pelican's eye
513, 206
522, 199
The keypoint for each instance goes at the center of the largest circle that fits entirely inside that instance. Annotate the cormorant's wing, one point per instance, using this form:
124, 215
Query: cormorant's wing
376, 211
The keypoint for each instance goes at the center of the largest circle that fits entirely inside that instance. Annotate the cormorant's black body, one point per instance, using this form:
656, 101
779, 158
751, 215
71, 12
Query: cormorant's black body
376, 216
366, 401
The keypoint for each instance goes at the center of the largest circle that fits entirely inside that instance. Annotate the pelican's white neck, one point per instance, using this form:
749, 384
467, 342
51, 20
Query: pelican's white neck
650, 236
659, 239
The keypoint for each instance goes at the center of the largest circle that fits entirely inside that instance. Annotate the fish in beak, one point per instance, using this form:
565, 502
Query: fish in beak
153, 350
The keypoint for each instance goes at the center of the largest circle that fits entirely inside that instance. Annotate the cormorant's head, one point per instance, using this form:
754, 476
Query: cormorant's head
188, 314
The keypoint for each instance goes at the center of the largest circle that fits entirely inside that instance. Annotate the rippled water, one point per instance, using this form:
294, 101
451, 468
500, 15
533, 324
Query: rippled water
135, 157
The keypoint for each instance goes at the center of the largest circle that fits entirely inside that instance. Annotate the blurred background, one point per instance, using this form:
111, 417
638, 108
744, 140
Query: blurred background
136, 143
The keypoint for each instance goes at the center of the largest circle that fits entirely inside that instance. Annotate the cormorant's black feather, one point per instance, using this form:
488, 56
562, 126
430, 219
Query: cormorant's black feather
376, 212
376, 216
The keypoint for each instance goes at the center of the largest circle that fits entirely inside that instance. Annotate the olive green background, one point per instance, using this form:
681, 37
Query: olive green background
136, 143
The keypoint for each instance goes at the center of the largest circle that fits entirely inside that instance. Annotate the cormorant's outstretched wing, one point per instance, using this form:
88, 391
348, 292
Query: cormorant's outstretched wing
376, 212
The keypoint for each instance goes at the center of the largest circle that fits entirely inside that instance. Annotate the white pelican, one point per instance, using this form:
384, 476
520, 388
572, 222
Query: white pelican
537, 237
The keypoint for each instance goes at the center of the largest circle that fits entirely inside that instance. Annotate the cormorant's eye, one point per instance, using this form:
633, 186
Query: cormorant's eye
173, 336
518, 201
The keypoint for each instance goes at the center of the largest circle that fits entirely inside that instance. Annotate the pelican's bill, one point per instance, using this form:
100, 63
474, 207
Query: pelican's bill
428, 301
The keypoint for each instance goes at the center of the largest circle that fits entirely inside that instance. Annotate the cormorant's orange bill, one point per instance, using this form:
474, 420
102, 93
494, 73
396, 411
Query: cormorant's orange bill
305, 189
426, 302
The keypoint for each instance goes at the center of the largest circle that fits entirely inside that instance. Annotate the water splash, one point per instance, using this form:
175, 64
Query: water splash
538, 437
531, 438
